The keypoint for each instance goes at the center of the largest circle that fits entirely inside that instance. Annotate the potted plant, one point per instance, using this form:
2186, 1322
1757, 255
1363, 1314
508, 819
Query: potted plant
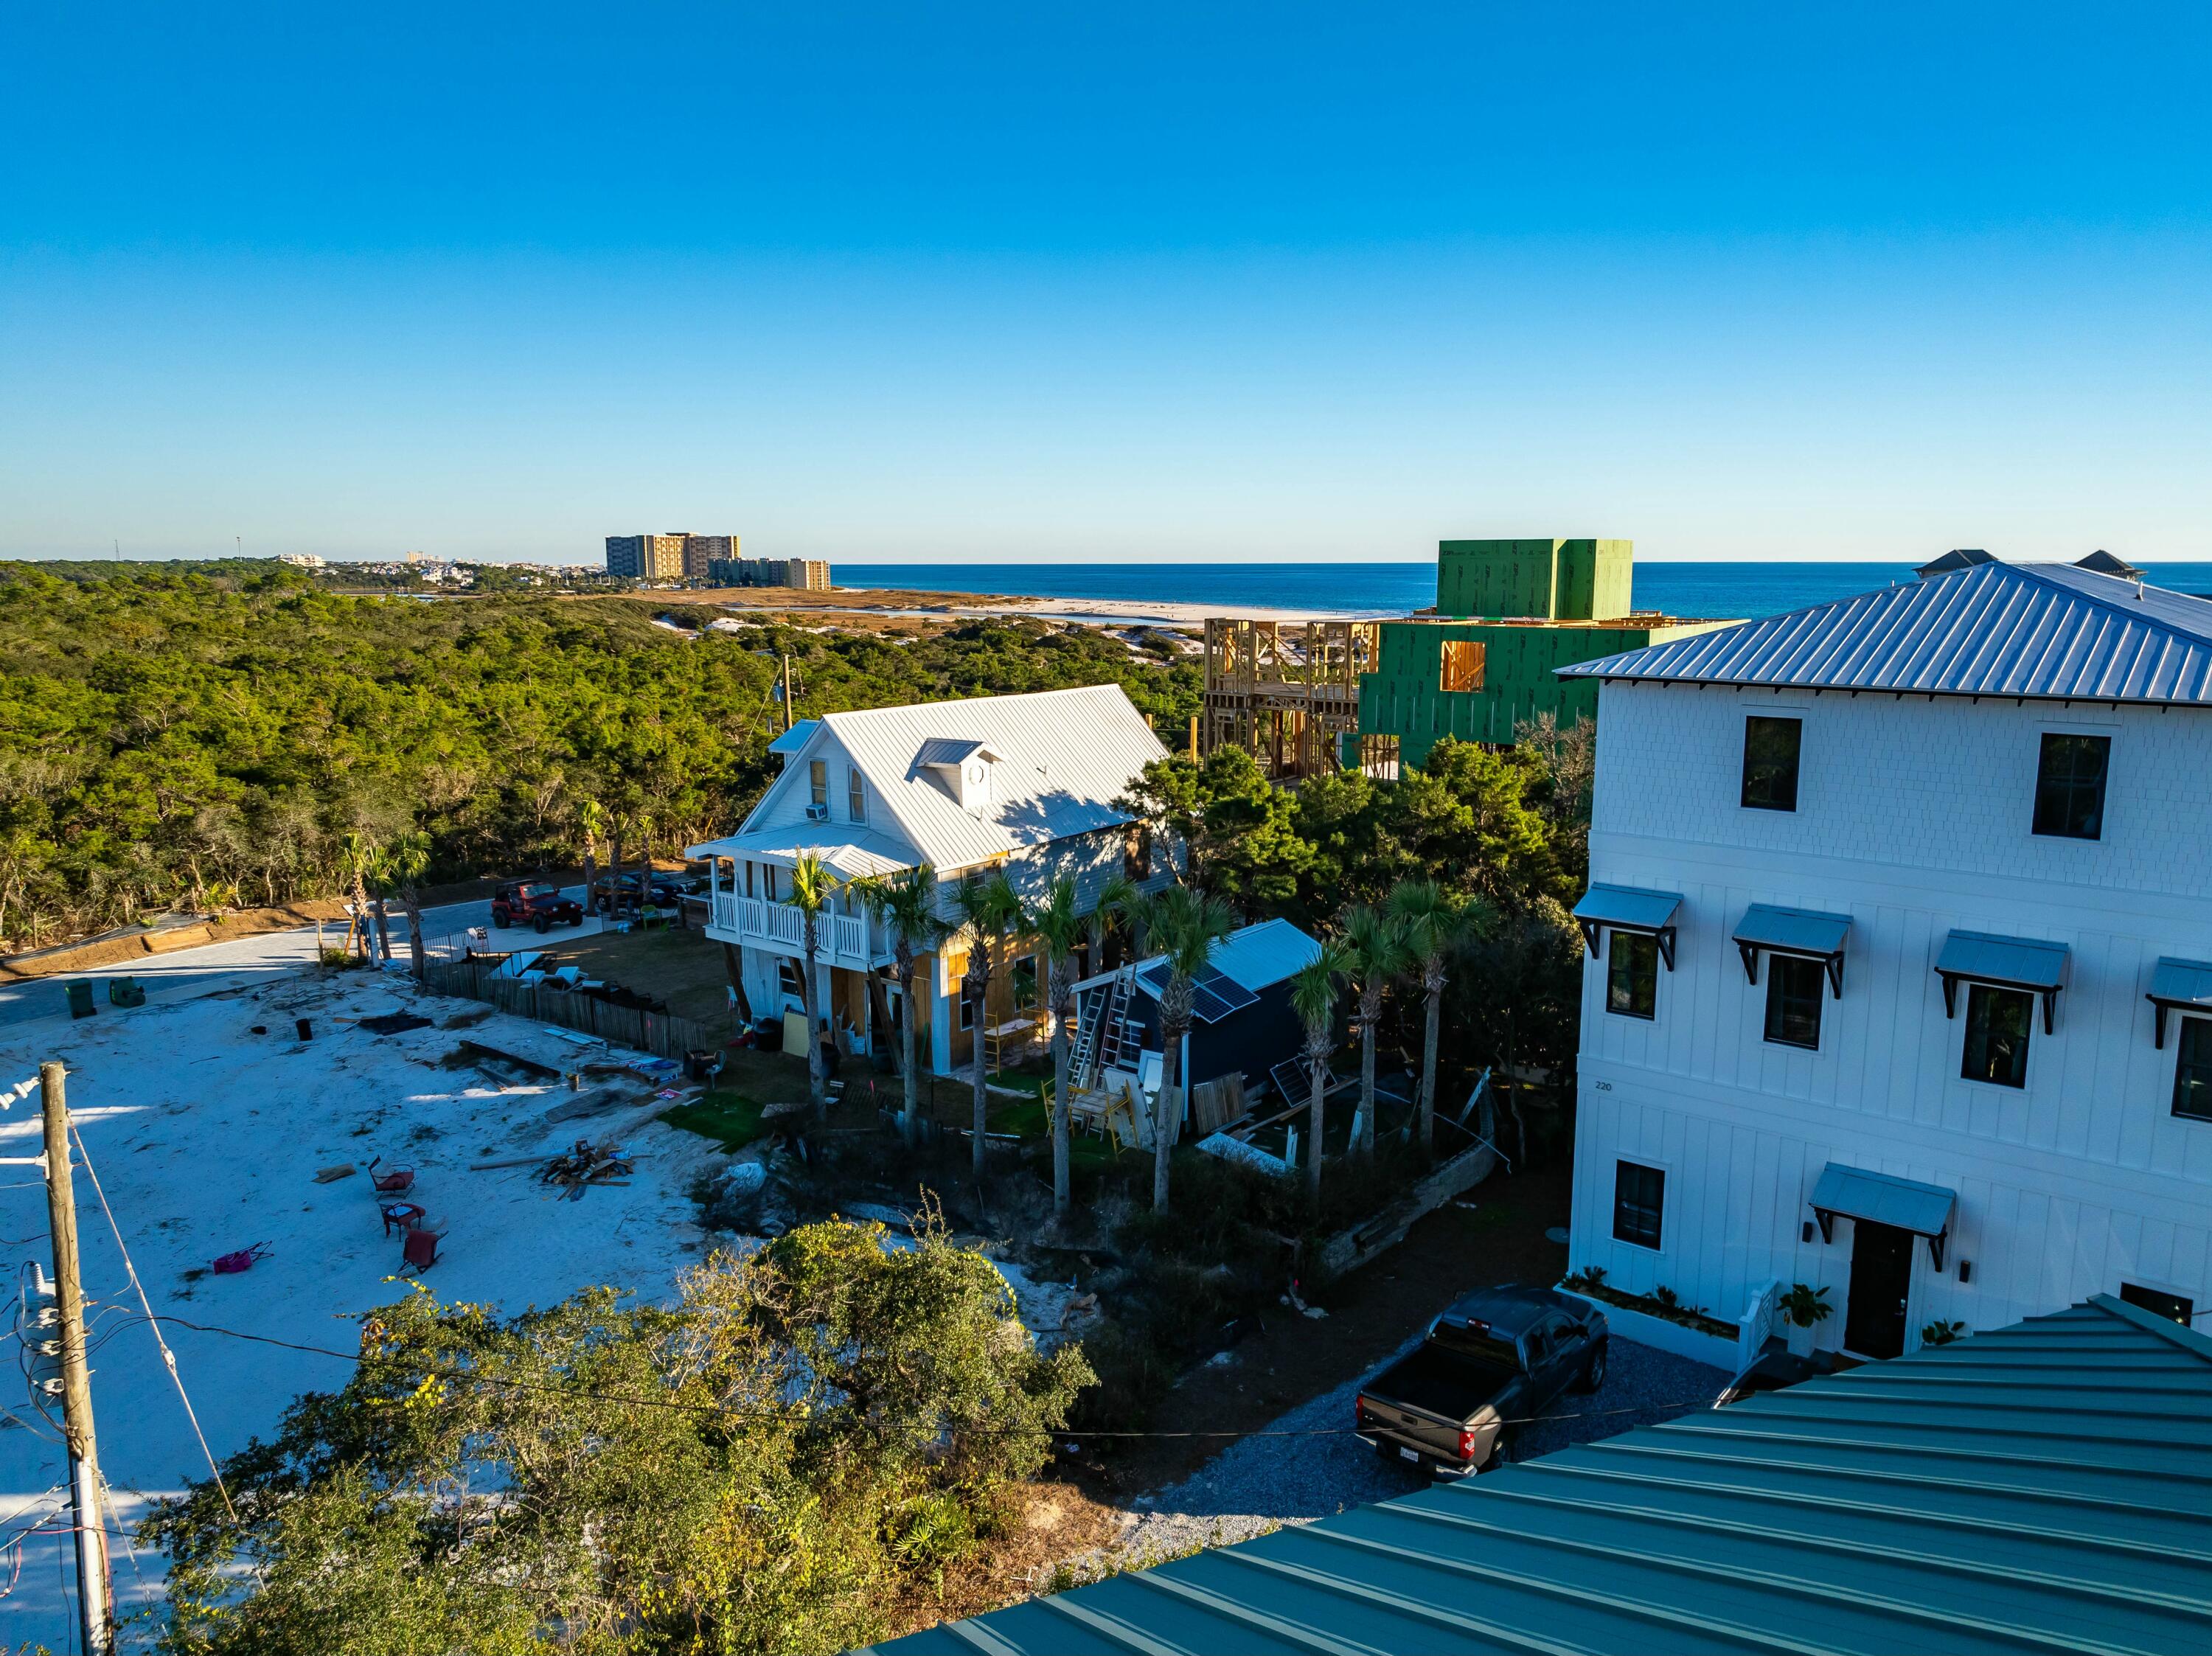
1804, 1308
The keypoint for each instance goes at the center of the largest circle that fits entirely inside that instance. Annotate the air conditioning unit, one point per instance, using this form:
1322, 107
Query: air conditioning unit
817, 813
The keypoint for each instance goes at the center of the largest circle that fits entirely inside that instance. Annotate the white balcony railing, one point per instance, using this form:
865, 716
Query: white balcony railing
840, 939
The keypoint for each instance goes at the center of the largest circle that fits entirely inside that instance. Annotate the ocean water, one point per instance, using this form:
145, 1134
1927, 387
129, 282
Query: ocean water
1709, 590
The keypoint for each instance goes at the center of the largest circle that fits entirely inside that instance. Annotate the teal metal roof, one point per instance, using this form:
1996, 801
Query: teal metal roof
2028, 962
1793, 931
2045, 1487
1863, 1193
1628, 906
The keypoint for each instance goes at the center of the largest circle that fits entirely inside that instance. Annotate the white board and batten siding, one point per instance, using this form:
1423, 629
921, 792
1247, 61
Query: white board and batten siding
1913, 818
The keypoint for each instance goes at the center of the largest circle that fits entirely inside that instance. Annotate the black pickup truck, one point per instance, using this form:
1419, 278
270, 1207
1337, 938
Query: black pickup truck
1499, 1356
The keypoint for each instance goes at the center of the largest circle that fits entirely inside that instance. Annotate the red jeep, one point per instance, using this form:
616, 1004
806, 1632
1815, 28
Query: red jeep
538, 904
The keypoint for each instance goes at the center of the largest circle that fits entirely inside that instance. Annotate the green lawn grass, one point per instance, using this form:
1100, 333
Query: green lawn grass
731, 1119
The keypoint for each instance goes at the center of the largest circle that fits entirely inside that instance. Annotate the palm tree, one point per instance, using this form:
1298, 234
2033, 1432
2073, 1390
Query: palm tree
988, 909
356, 855
1375, 953
591, 821
403, 863
1436, 922
812, 886
1057, 925
905, 904
1184, 926
1313, 998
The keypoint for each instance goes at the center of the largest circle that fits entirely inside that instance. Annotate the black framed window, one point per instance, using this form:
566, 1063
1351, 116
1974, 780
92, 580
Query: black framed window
1639, 1198
1795, 988
2069, 785
1632, 974
2159, 1303
1997, 1022
1770, 762
2192, 1070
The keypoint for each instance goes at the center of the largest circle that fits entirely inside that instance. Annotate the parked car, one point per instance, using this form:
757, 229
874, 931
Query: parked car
611, 892
1498, 1357
1770, 1372
537, 904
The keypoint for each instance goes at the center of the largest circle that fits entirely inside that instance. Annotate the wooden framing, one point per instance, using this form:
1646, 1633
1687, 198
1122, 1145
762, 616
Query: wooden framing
1285, 692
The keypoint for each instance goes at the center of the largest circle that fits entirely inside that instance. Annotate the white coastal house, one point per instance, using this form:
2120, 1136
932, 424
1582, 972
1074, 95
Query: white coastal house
1023, 782
1899, 969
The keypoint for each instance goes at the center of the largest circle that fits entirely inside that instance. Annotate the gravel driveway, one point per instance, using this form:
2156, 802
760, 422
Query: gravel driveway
1262, 1481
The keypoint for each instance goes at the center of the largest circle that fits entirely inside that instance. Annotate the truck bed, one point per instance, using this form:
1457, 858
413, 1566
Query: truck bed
1447, 1385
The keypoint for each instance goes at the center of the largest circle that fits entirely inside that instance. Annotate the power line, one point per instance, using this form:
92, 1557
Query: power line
168, 1357
466, 1377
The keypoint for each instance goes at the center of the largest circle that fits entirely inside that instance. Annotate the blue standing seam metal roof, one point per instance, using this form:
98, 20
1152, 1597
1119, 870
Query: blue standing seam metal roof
2047, 631
1629, 908
796, 737
2042, 1487
1863, 1193
2184, 984
1793, 931
1984, 957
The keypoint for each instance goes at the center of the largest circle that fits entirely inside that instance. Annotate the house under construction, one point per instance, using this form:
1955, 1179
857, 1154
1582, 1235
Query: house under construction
1306, 698
1286, 692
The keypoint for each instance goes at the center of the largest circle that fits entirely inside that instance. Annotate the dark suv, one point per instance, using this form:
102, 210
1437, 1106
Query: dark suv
610, 895
537, 904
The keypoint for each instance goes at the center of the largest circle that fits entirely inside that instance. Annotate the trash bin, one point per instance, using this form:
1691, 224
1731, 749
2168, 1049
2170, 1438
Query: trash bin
80, 998
125, 991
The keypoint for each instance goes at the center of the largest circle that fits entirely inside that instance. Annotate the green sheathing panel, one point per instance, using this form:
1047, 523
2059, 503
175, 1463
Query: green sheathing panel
1546, 579
1401, 698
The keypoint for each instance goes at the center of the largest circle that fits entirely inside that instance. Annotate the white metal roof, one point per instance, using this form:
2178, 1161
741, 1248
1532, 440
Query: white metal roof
1058, 761
2048, 631
848, 853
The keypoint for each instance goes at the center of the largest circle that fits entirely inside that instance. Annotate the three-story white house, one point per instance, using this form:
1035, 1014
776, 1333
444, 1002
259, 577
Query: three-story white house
1900, 969
1025, 783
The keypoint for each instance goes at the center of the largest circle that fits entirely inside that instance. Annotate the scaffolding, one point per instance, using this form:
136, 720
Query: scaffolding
1285, 692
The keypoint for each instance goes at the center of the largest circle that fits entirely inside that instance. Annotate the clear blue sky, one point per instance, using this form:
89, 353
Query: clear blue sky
1191, 281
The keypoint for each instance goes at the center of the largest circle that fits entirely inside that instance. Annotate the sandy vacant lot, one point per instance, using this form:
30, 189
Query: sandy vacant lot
206, 1137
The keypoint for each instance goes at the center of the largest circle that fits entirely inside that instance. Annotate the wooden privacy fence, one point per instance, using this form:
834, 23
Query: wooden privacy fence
619, 1025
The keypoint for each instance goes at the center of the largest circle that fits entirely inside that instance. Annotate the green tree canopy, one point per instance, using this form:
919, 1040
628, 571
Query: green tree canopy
768, 1465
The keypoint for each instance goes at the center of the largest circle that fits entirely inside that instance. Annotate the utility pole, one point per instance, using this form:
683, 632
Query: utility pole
787, 691
92, 1586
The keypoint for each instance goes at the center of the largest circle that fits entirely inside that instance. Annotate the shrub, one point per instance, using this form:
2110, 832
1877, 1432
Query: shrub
806, 1434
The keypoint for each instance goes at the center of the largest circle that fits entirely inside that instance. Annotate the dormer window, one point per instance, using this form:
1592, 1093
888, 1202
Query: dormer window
964, 767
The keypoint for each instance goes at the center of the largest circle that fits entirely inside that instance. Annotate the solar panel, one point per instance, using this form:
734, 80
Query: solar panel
1213, 996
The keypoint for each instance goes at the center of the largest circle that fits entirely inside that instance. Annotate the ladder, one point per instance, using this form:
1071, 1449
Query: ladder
1100, 1043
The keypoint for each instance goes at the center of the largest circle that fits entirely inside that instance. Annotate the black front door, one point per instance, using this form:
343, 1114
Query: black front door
1881, 1279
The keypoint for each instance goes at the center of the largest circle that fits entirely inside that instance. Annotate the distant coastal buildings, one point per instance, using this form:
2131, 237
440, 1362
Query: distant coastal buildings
710, 558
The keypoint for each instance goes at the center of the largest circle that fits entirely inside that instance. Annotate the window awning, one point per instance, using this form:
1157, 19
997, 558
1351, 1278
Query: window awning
1885, 1199
1803, 932
1628, 908
2179, 986
2005, 962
